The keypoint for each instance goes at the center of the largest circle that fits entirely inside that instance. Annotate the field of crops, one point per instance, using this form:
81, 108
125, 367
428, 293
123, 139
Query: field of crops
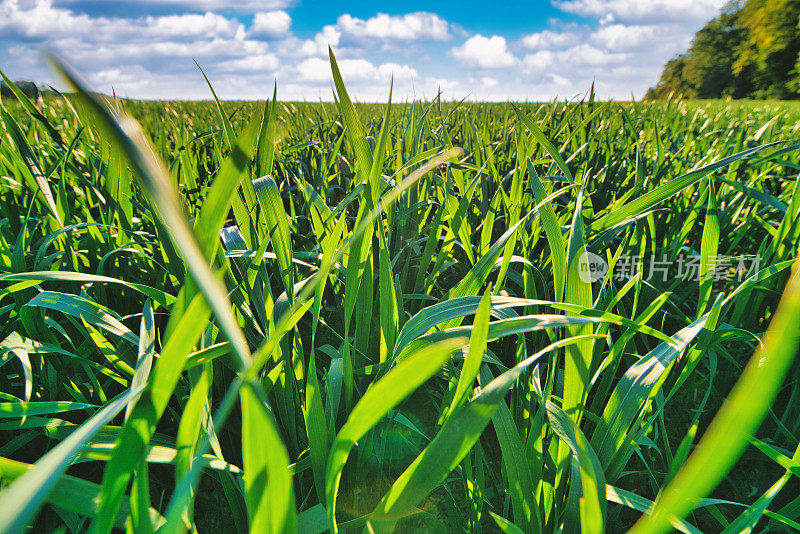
427, 316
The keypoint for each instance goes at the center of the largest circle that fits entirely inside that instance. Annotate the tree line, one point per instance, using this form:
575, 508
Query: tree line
752, 50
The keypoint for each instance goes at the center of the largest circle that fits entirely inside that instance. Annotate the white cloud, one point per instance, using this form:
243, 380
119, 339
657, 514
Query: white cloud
398, 72
318, 46
586, 54
575, 58
261, 62
315, 69
442, 84
238, 6
548, 39
622, 58
354, 70
621, 44
643, 10
560, 81
621, 37
409, 27
187, 25
360, 34
158, 52
271, 24
539, 60
485, 52
39, 19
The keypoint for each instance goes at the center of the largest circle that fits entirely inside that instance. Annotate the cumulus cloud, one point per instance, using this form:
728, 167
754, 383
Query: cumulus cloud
619, 44
117, 51
361, 34
41, 20
548, 39
539, 61
621, 37
318, 46
409, 27
261, 62
586, 54
238, 6
188, 25
270, 24
354, 70
485, 52
640, 11
435, 85
578, 57
151, 56
315, 69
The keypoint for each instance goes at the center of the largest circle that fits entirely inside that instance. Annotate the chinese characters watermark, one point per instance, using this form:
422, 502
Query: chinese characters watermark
687, 267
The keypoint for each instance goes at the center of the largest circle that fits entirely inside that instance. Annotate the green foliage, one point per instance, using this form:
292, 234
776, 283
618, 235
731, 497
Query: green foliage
753, 52
305, 317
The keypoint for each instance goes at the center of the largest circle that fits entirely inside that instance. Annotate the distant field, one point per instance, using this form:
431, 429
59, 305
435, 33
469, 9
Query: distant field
438, 316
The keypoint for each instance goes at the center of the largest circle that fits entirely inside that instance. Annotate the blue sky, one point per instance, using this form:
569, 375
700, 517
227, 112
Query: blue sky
534, 50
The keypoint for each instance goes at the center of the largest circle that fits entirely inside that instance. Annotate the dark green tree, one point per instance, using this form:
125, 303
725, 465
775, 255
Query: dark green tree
749, 51
672, 82
770, 50
709, 65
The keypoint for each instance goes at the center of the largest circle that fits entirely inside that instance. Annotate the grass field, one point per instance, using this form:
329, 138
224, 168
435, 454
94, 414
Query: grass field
436, 316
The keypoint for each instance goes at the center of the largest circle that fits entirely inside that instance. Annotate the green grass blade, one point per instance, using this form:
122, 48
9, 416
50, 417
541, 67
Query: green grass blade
33, 166
477, 347
667, 190
729, 432
450, 445
32, 110
709, 247
384, 395
552, 230
267, 482
267, 135
592, 480
269, 198
355, 130
74, 494
542, 139
22, 499
227, 127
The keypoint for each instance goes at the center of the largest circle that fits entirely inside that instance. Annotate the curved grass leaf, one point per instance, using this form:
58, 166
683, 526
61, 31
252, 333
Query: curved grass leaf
667, 190
27, 493
384, 395
729, 432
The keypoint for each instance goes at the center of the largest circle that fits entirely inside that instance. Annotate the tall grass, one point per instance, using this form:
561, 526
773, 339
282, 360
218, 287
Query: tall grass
337, 317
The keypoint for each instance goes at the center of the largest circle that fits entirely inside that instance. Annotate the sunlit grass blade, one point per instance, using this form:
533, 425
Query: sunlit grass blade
542, 139
267, 135
269, 198
74, 494
268, 485
592, 503
667, 190
26, 494
373, 406
552, 229
729, 432
448, 448
474, 357
40, 184
227, 127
